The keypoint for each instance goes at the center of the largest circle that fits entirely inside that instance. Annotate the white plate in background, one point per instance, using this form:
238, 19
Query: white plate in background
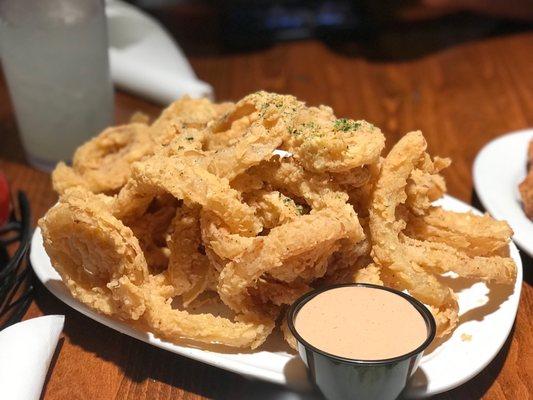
474, 344
499, 168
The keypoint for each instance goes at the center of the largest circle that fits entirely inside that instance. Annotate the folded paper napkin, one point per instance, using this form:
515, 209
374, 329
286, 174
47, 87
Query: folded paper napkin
26, 350
145, 59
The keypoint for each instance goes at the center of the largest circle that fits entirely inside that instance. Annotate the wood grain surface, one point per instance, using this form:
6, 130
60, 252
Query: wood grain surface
460, 97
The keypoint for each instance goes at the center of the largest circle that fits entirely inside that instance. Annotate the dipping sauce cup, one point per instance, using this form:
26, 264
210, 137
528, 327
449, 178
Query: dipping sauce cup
340, 378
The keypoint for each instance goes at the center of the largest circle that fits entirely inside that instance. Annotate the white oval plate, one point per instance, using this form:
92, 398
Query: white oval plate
499, 168
485, 322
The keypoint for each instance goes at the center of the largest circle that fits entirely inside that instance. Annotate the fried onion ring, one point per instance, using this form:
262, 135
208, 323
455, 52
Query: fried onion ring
104, 162
109, 280
323, 228
388, 251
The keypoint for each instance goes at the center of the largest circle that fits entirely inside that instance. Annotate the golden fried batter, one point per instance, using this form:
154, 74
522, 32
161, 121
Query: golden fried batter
98, 258
388, 251
250, 205
105, 161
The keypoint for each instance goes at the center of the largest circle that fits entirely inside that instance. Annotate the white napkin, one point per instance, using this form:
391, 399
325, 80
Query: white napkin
26, 349
144, 58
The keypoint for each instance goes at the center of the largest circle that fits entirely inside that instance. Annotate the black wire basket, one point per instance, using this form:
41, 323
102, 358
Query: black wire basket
16, 274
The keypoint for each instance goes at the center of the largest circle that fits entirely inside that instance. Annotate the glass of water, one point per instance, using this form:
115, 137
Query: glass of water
54, 57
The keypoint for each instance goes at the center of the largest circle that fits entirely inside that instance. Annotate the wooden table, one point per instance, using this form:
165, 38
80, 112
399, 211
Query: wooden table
460, 98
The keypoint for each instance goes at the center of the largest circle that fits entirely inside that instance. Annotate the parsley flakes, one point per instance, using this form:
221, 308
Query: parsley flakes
345, 125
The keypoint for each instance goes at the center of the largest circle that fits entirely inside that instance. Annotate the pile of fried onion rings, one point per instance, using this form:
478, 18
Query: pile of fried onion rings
205, 224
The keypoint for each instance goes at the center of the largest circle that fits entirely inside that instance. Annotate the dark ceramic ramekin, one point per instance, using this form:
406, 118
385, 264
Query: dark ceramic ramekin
340, 378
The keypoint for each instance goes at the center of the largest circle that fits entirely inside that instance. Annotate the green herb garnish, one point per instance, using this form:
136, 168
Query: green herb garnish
345, 125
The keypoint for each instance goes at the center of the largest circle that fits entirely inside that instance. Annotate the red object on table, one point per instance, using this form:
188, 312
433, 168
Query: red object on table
4, 199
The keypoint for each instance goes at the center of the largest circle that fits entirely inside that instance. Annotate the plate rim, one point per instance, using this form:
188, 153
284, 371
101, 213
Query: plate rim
482, 193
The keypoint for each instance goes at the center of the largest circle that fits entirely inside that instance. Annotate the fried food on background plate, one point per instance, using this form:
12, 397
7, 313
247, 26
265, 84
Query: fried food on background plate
526, 187
154, 218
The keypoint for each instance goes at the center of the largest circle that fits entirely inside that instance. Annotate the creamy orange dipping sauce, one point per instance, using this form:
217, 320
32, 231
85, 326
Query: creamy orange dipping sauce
361, 323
